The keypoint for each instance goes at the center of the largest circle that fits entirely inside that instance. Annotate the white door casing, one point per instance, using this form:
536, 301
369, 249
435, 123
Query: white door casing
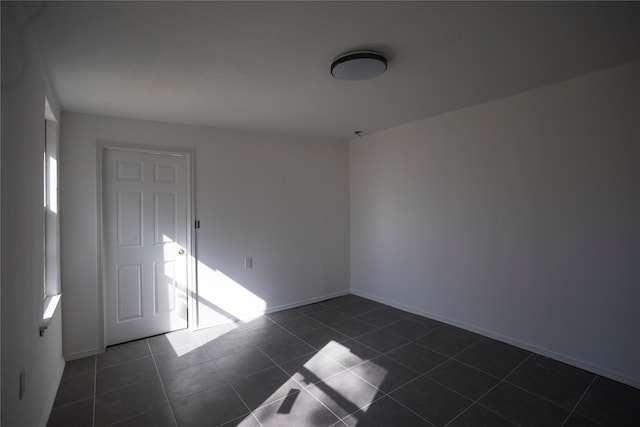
145, 225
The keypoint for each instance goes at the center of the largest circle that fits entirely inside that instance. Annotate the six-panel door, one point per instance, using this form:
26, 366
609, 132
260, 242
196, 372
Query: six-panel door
145, 236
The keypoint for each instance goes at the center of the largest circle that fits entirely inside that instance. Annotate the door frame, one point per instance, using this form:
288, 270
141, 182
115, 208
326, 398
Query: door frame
189, 153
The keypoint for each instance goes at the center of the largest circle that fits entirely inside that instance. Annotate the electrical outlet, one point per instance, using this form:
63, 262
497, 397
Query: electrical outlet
248, 262
23, 384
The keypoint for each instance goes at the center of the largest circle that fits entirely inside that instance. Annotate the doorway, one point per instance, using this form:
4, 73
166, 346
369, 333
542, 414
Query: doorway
146, 242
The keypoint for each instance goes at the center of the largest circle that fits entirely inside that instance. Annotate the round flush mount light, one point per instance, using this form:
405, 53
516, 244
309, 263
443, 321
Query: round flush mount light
359, 65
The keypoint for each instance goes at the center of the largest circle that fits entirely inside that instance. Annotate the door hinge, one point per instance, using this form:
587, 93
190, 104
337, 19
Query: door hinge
197, 225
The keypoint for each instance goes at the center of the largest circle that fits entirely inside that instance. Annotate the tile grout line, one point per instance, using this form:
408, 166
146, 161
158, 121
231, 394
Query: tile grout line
294, 335
500, 380
503, 380
414, 341
345, 369
355, 339
584, 393
303, 388
251, 414
424, 374
164, 390
477, 401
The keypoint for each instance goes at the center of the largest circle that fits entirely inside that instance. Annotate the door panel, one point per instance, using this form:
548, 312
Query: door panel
165, 212
129, 289
165, 287
145, 226
129, 221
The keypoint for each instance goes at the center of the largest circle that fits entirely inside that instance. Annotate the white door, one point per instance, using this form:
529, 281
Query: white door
145, 226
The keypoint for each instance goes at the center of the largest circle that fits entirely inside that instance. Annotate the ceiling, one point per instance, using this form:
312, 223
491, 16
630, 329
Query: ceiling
264, 66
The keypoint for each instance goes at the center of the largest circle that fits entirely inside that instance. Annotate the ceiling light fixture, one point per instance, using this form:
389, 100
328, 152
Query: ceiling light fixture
358, 65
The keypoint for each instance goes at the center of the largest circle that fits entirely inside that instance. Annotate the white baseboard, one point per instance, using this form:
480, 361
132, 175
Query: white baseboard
521, 344
277, 308
81, 354
306, 302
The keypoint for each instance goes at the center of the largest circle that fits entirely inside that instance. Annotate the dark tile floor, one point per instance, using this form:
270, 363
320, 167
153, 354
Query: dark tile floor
347, 361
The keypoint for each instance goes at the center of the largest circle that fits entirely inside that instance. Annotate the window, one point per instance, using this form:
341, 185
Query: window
51, 235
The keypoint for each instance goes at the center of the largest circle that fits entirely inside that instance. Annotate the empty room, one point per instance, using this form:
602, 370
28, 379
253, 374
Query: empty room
320, 213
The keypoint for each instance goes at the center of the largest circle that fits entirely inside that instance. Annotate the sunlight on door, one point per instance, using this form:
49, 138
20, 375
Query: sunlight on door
145, 202
170, 279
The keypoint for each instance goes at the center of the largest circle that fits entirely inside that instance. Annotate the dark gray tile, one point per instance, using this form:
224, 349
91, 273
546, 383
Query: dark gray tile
416, 357
79, 366
286, 349
349, 353
312, 308
262, 334
301, 325
385, 412
381, 341
448, 340
194, 379
352, 328
344, 393
284, 315
243, 421
409, 329
381, 317
258, 322
77, 387
522, 407
298, 409
210, 408
431, 323
123, 353
269, 333
477, 416
384, 373
576, 420
310, 369
124, 403
172, 341
321, 337
243, 363
343, 300
329, 317
431, 400
493, 356
400, 313
78, 414
553, 380
359, 308
213, 333
265, 387
159, 417
611, 403
227, 345
124, 374
181, 358
461, 378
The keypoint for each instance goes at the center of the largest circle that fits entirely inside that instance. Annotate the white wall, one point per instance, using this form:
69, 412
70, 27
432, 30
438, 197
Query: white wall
519, 218
24, 87
282, 200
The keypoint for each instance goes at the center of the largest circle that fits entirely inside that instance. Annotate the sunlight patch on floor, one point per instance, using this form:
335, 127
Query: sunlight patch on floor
321, 379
